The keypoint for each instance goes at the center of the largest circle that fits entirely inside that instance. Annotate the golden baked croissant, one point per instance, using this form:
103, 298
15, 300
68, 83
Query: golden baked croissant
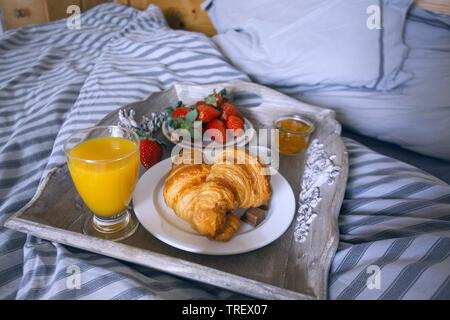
206, 196
244, 175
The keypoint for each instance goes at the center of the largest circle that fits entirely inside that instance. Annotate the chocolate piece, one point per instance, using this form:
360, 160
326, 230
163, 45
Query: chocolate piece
254, 216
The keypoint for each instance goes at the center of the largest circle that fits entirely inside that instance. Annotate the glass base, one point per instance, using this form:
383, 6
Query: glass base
115, 228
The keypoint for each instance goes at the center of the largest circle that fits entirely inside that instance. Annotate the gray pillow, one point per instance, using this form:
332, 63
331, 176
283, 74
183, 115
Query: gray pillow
314, 44
305, 42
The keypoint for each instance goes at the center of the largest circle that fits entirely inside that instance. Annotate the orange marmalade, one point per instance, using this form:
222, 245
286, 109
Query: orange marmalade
294, 132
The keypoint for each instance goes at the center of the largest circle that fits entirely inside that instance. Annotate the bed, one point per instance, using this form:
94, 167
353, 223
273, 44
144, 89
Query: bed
54, 81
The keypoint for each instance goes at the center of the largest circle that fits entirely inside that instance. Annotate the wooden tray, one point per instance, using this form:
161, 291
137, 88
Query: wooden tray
285, 269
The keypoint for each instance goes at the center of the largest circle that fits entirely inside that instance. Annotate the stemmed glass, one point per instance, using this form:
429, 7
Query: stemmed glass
104, 165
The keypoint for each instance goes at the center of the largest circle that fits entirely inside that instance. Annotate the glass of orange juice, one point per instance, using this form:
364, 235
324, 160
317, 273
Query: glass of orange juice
104, 165
293, 134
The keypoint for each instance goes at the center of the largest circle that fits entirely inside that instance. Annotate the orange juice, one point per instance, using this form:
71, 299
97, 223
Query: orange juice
104, 171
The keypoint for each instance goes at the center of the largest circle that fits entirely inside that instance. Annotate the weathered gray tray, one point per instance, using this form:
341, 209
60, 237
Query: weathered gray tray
285, 269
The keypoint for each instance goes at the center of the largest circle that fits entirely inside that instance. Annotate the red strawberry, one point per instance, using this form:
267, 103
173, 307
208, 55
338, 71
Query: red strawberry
229, 110
218, 125
151, 153
203, 103
206, 113
214, 99
180, 112
235, 123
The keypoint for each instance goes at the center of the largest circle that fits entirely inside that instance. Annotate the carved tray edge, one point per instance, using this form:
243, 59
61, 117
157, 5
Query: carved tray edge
337, 203
174, 266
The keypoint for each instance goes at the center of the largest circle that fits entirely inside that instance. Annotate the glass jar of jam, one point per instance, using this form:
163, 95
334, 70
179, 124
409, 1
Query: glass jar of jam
294, 133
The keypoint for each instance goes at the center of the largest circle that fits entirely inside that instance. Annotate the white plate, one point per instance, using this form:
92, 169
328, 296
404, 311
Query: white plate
164, 224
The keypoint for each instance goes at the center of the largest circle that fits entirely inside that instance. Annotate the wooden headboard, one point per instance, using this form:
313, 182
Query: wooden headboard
187, 15
180, 14
440, 6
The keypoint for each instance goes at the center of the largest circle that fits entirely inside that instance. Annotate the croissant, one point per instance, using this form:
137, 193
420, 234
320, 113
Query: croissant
207, 195
244, 175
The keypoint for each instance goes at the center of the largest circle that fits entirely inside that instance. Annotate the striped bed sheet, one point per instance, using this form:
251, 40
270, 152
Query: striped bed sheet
395, 218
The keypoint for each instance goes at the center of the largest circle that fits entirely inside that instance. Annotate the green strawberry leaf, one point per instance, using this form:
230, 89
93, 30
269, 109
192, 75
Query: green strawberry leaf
179, 104
171, 122
225, 95
186, 125
179, 120
191, 116
141, 135
211, 100
169, 110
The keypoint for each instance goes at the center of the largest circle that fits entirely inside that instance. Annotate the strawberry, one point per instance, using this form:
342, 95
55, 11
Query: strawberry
203, 103
214, 99
235, 123
220, 126
151, 153
229, 109
206, 113
217, 99
180, 112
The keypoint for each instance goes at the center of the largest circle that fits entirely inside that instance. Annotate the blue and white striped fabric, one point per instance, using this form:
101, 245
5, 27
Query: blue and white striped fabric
54, 80
397, 218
